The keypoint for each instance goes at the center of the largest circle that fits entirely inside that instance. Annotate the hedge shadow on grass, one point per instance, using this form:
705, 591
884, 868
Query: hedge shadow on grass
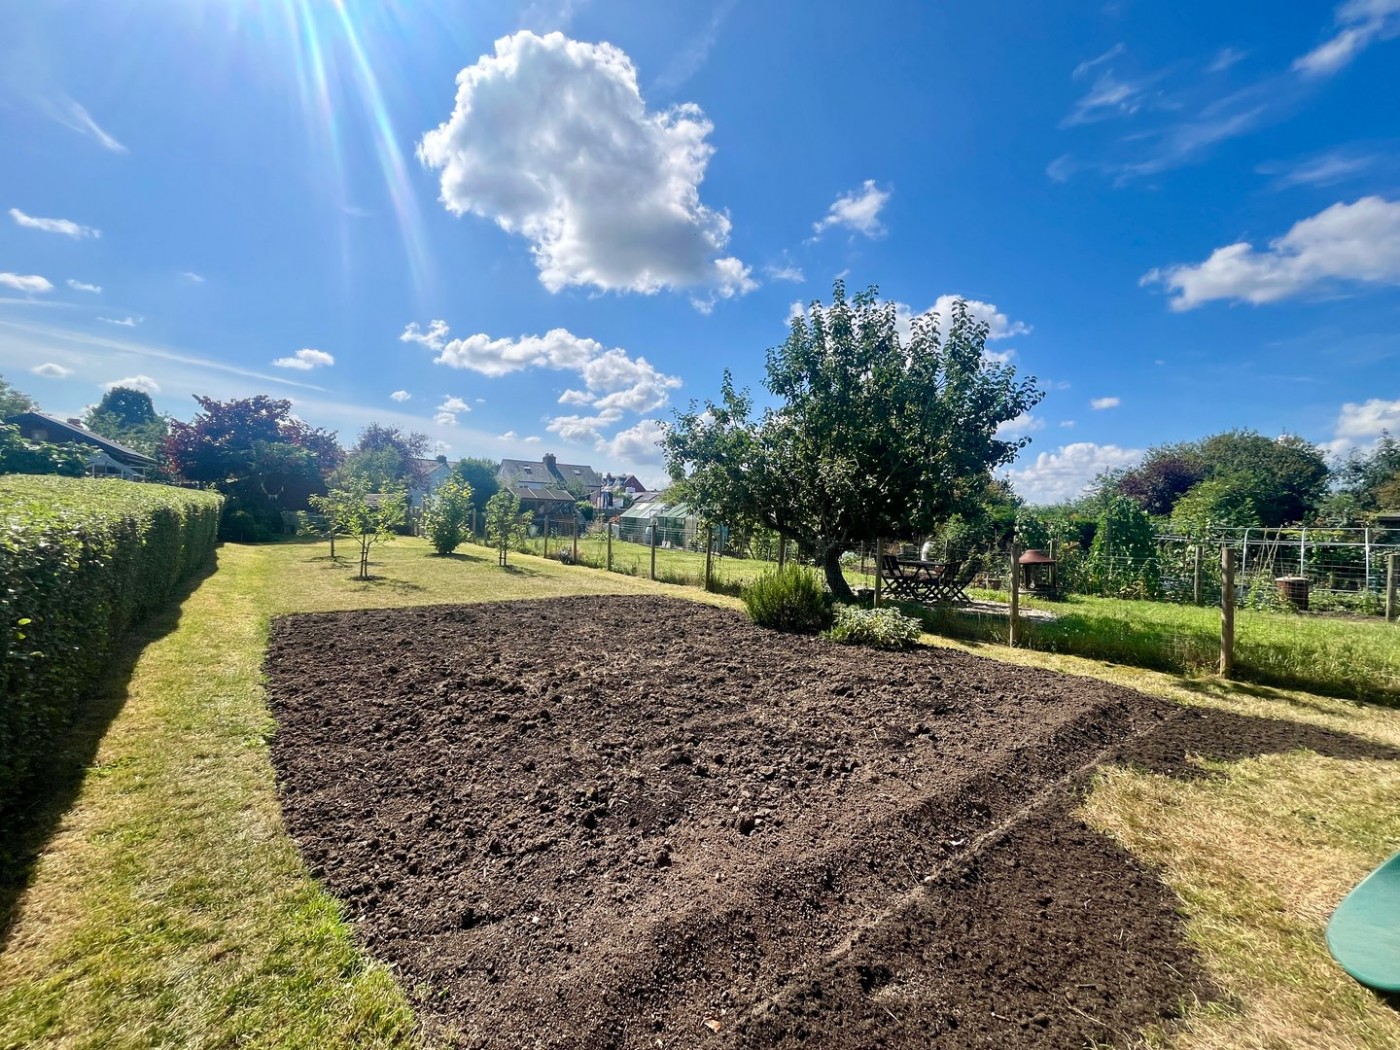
53, 785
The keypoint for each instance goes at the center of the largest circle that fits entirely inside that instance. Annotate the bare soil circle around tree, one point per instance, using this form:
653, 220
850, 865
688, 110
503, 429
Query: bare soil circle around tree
642, 822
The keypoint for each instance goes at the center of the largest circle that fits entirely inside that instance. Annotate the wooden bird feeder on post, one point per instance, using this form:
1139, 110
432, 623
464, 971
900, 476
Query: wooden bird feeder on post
1038, 573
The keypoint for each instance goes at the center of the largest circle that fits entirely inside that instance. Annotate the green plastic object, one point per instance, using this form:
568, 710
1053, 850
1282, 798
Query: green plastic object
1364, 933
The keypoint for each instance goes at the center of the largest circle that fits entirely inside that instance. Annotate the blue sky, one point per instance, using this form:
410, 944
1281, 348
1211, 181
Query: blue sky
543, 226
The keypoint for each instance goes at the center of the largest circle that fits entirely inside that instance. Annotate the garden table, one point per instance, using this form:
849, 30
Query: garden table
922, 581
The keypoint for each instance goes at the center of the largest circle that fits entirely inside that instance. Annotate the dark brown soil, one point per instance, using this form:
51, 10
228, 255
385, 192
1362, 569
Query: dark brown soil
639, 822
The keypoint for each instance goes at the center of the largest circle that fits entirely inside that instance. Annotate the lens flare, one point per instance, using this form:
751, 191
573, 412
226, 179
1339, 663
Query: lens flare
331, 52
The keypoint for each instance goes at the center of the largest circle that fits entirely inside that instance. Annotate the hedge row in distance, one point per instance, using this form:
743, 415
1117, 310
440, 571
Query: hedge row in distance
81, 561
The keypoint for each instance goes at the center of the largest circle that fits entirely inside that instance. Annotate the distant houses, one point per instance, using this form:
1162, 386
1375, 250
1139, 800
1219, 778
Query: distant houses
108, 458
425, 475
548, 488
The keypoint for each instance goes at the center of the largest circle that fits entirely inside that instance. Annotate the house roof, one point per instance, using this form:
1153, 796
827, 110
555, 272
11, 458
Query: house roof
82, 435
542, 494
531, 472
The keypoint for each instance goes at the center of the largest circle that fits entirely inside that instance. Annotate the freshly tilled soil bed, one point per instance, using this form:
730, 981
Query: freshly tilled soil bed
640, 822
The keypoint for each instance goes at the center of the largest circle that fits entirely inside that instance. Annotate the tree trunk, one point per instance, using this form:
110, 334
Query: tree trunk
835, 580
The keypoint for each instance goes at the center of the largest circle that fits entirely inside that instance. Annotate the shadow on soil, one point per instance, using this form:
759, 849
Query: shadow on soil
1223, 737
27, 826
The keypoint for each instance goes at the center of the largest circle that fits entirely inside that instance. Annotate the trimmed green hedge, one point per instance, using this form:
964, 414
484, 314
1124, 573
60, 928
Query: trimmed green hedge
81, 561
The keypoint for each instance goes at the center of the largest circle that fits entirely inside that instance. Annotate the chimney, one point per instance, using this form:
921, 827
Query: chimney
549, 462
75, 422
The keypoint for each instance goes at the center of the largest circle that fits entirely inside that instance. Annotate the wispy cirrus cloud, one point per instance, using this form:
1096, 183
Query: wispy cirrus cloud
1359, 24
1225, 58
692, 57
66, 227
1324, 169
74, 116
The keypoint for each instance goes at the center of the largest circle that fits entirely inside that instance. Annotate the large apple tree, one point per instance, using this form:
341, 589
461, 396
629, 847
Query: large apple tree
870, 435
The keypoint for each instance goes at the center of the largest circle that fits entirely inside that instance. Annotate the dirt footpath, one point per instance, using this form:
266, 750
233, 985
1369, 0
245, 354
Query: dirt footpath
642, 822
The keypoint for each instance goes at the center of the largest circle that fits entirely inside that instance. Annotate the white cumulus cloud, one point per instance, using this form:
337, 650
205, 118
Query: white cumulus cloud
81, 286
1098, 404
305, 360
999, 325
1022, 425
143, 383
1346, 242
26, 282
1360, 24
584, 428
67, 227
858, 210
612, 378
400, 395
49, 370
637, 445
1064, 474
551, 139
1361, 423
448, 411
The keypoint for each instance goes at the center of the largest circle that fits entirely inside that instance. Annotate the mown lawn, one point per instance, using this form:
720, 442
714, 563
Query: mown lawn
728, 574
168, 908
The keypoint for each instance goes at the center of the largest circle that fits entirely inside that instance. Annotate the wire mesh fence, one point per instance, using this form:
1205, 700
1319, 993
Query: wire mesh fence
685, 552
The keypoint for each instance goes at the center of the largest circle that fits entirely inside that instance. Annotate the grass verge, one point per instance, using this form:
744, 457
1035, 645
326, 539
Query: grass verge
168, 907
1351, 658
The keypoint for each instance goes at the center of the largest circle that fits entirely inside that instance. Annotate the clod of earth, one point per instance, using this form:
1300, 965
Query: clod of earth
600, 822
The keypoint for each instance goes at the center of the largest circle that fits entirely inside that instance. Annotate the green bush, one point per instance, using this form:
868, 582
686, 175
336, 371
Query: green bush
81, 560
883, 628
793, 598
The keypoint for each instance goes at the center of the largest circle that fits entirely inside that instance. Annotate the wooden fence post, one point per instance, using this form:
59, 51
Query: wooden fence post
1392, 579
709, 555
653, 548
609, 527
879, 575
1013, 617
1196, 575
546, 536
575, 539
1227, 612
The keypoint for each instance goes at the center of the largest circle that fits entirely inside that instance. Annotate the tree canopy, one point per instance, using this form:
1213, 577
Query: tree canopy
13, 401
481, 475
258, 454
1372, 477
128, 417
382, 457
872, 435
1280, 481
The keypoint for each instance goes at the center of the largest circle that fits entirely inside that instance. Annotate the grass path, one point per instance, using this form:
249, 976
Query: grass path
169, 909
